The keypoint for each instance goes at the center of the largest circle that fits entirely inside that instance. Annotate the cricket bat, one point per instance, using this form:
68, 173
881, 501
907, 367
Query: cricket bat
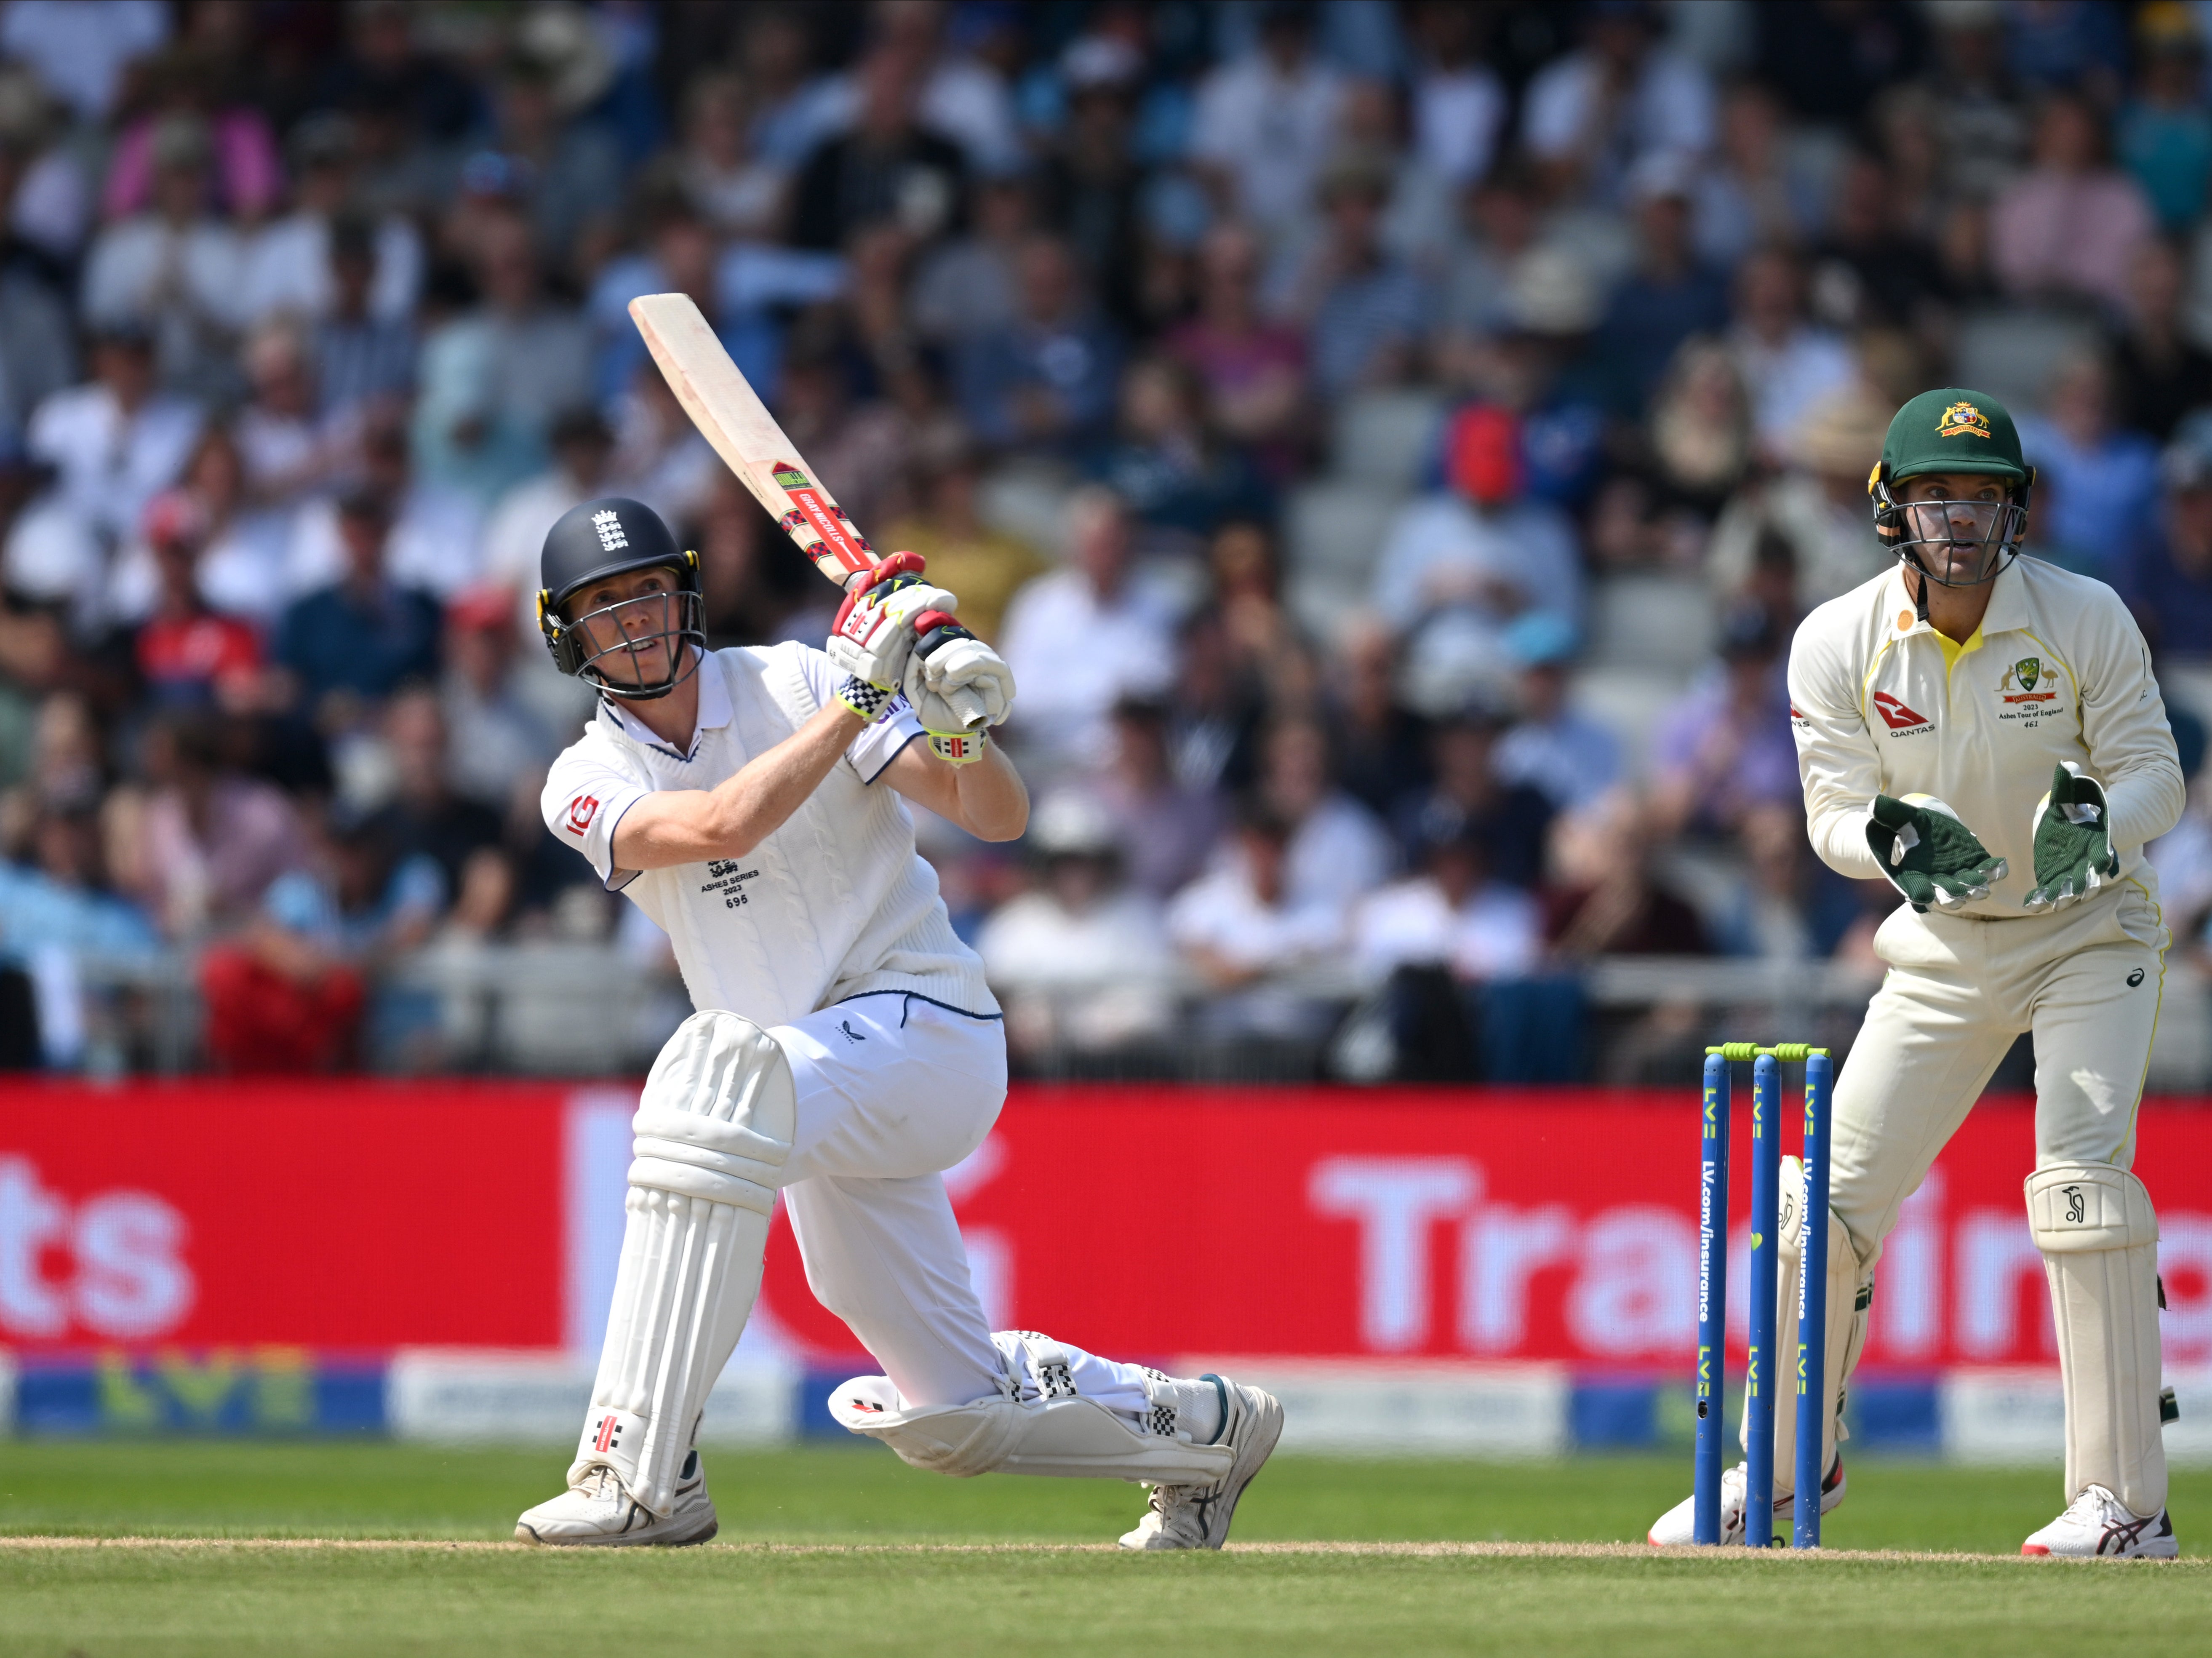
737, 424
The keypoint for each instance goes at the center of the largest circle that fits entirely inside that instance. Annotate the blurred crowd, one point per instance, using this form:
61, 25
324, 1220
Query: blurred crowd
1393, 445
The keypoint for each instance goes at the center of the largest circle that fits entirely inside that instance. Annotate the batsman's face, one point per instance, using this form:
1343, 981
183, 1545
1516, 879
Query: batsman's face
1956, 522
631, 624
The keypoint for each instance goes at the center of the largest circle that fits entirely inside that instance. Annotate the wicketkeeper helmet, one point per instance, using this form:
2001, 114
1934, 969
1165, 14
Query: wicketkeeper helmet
1951, 430
612, 535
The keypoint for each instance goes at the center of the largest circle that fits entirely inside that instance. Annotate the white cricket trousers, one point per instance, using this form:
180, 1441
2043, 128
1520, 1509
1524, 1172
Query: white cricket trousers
2085, 980
892, 1090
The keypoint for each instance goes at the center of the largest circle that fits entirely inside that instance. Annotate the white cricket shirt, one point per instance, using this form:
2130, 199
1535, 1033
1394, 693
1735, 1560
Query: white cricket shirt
836, 903
1882, 703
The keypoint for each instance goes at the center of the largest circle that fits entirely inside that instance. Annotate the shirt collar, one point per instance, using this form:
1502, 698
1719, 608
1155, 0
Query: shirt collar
714, 710
2008, 603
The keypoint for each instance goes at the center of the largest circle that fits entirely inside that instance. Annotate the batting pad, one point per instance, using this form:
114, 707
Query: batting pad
1847, 1306
2099, 1236
713, 1129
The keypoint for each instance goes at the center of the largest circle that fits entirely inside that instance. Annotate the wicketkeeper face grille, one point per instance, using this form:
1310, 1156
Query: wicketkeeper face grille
1956, 543
637, 649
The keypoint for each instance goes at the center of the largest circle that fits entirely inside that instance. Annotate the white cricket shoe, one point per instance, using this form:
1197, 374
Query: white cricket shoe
1679, 1525
2097, 1523
597, 1513
1198, 1516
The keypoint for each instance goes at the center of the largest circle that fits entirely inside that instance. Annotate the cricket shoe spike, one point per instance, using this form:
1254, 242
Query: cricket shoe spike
1198, 1516
2097, 1524
597, 1513
1678, 1526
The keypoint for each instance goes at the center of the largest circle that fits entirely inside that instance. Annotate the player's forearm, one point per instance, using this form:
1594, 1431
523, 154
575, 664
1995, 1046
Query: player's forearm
993, 802
729, 820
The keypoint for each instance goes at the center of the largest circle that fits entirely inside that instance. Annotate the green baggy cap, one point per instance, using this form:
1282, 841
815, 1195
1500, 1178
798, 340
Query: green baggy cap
1952, 430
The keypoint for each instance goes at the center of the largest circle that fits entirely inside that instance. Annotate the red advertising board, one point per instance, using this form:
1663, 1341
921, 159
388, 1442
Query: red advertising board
1555, 1226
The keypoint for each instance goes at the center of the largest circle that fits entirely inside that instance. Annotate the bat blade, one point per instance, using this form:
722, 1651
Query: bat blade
731, 416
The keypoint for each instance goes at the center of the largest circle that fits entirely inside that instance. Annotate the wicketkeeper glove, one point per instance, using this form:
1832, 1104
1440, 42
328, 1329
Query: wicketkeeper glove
873, 634
958, 686
1927, 854
2073, 853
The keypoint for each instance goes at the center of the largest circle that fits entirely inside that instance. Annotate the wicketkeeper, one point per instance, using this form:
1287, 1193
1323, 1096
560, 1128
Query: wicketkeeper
1983, 730
845, 1051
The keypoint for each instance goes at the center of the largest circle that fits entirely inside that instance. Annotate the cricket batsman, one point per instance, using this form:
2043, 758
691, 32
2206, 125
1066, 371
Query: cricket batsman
1983, 730
846, 1048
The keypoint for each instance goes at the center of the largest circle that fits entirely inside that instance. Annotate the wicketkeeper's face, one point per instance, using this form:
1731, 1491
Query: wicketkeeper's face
631, 625
1956, 524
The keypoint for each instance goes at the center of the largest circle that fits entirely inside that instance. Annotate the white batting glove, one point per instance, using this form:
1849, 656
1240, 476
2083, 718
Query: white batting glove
874, 632
958, 686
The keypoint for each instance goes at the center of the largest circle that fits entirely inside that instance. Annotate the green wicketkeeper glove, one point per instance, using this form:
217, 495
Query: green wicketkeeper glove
2073, 853
1927, 854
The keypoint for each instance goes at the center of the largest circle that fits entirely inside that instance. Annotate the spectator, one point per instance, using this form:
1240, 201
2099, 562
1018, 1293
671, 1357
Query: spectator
1451, 914
426, 817
1754, 193
1787, 364
1816, 510
1590, 116
985, 566
188, 655
1458, 105
2166, 577
202, 845
2182, 856
886, 169
281, 998
1385, 742
115, 442
55, 906
1569, 758
492, 378
740, 193
1081, 960
1601, 899
292, 451
1337, 852
498, 742
80, 50
574, 166
1726, 748
1365, 311
960, 93
1504, 224
1048, 379
240, 563
1460, 565
364, 363
1830, 63
1253, 369
2163, 135
1083, 637
1262, 644
177, 269
1092, 185
291, 266
1165, 828
1786, 907
2069, 227
1266, 121
1701, 429
514, 534
350, 644
1243, 933
1670, 296
1979, 127
38, 348
1867, 270
2158, 374
970, 284
1468, 796
2099, 481
1173, 480
435, 540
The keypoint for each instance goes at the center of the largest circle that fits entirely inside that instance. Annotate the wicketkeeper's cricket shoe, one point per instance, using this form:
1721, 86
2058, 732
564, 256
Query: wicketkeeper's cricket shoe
2097, 1523
1198, 1516
1679, 1524
597, 1513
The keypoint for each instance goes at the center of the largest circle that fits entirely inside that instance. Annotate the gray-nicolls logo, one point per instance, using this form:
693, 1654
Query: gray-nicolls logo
611, 538
2076, 1209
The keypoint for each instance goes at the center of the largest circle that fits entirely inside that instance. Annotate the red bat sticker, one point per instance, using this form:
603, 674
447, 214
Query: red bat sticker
830, 525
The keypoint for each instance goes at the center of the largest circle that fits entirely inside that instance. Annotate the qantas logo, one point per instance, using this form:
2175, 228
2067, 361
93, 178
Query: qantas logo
582, 810
1897, 715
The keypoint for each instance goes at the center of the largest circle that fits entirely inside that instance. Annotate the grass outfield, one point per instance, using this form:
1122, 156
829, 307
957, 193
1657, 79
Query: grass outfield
844, 1551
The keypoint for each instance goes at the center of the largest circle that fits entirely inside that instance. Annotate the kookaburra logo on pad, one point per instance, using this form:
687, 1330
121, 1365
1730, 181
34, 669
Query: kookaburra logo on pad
611, 538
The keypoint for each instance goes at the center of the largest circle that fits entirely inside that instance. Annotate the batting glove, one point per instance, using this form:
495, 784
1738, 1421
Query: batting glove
1927, 854
958, 686
874, 634
2073, 853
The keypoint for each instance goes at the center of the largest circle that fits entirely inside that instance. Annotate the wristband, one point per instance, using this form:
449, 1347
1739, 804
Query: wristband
958, 748
866, 700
